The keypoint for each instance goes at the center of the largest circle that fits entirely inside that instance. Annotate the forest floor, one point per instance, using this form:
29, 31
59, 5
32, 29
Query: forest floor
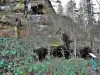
28, 66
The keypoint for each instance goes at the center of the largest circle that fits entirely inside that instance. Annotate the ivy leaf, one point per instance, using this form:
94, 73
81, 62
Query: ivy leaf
1, 63
13, 52
9, 66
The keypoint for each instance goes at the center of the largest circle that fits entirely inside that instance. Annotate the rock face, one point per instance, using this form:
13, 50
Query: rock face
84, 53
5, 8
41, 52
59, 51
62, 50
38, 9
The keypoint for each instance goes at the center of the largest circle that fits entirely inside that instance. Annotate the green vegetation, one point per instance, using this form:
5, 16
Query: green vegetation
15, 60
18, 57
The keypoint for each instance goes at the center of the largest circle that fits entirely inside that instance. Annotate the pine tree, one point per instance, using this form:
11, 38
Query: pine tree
71, 5
60, 9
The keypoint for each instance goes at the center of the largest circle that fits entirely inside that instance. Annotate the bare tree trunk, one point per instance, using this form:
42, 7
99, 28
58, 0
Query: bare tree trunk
75, 46
26, 3
92, 42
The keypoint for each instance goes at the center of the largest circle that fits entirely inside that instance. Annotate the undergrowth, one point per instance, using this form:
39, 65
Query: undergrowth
17, 59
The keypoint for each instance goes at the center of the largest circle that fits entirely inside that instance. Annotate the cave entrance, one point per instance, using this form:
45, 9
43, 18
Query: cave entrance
38, 9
